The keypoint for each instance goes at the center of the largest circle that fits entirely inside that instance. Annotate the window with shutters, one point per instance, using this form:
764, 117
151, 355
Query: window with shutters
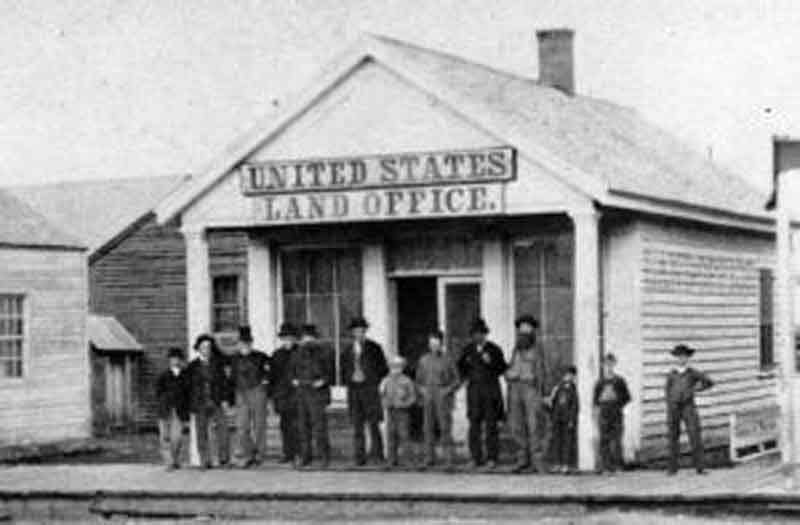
12, 335
766, 318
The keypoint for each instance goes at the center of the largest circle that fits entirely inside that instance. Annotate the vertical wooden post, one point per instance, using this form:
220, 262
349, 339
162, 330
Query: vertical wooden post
586, 321
786, 183
261, 293
376, 296
198, 304
495, 307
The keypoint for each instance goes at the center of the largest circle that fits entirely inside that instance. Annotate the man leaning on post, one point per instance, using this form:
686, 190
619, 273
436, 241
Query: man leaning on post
526, 377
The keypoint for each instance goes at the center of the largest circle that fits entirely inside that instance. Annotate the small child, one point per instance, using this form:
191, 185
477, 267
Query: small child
563, 402
398, 393
682, 384
610, 397
172, 394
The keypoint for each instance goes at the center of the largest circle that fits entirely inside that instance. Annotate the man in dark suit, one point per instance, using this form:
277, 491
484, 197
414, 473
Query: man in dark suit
282, 393
481, 364
311, 373
363, 366
251, 371
683, 382
203, 375
172, 389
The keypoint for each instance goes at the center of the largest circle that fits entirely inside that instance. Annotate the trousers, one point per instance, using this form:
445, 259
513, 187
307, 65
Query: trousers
288, 427
564, 442
438, 412
526, 414
210, 428
312, 423
686, 412
170, 433
251, 425
397, 438
364, 400
610, 428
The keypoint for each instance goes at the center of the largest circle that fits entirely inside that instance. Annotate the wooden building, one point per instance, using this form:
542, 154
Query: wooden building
44, 363
136, 272
457, 190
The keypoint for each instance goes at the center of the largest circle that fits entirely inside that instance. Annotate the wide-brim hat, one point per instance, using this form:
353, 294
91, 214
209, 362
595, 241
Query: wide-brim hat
287, 330
245, 334
175, 352
309, 329
204, 337
526, 319
682, 350
358, 322
479, 326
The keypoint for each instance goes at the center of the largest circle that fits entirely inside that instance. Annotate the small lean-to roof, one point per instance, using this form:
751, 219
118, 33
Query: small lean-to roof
21, 225
605, 151
96, 211
107, 334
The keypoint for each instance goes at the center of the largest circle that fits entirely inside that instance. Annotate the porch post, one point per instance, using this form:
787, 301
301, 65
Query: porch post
198, 284
494, 301
261, 293
586, 321
198, 304
376, 296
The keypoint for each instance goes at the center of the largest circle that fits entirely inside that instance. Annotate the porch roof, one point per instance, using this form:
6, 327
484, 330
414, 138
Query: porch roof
108, 335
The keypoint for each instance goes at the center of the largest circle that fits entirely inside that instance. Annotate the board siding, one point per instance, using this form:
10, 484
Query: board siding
700, 287
51, 401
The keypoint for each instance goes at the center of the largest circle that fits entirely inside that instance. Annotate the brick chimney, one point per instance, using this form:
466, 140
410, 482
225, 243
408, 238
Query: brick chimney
555, 59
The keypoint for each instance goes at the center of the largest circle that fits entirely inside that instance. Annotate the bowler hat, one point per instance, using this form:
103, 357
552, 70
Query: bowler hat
287, 330
245, 334
526, 319
204, 337
682, 350
358, 322
479, 326
175, 352
309, 329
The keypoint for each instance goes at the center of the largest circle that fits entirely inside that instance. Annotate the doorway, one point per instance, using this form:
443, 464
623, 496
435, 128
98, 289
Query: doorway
426, 303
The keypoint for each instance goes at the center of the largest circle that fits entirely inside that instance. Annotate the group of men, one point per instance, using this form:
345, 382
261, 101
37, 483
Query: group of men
298, 376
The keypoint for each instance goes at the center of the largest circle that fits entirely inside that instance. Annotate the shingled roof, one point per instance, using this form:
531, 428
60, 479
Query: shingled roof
20, 225
608, 152
96, 211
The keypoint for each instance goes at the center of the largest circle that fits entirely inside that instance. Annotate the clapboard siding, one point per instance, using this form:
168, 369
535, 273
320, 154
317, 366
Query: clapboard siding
701, 287
51, 401
141, 280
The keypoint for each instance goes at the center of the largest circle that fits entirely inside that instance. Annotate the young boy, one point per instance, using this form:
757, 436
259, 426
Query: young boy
563, 403
172, 395
610, 397
398, 393
682, 383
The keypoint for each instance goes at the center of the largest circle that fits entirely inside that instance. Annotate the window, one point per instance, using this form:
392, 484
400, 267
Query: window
323, 287
227, 306
12, 335
766, 321
543, 288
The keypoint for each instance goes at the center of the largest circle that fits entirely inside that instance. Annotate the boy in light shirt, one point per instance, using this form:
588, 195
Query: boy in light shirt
398, 393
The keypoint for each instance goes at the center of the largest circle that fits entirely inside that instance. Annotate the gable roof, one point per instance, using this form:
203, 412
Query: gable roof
96, 211
108, 334
21, 226
605, 151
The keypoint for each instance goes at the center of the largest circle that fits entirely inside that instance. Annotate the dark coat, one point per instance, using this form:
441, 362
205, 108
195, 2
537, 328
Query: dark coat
623, 396
311, 362
484, 396
280, 382
680, 388
564, 402
172, 393
373, 365
205, 384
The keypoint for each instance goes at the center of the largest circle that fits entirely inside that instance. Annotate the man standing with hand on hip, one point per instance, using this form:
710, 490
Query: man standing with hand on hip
363, 368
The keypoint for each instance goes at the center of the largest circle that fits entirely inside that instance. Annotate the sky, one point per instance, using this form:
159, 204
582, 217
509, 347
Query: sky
97, 89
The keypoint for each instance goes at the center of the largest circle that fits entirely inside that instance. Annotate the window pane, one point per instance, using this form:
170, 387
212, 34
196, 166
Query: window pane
294, 308
294, 269
348, 272
321, 271
11, 335
322, 315
226, 289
